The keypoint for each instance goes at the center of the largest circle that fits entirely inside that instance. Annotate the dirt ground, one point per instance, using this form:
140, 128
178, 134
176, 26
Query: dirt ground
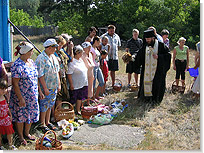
173, 125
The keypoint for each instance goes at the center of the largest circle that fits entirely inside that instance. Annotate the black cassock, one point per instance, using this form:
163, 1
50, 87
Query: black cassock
159, 81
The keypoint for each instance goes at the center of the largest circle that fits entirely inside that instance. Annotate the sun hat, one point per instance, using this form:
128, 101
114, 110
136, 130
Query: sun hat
50, 42
23, 48
86, 44
181, 39
66, 36
77, 49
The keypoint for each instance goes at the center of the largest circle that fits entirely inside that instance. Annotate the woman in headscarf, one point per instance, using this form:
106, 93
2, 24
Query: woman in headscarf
24, 93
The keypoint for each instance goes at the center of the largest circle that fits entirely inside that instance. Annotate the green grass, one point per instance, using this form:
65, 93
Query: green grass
36, 40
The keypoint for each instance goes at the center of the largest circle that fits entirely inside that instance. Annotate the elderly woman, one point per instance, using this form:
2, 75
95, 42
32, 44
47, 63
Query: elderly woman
24, 93
48, 74
3, 72
88, 60
97, 70
181, 60
63, 60
77, 76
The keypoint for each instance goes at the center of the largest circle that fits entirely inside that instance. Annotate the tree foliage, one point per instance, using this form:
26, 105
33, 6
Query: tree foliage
180, 17
21, 18
29, 6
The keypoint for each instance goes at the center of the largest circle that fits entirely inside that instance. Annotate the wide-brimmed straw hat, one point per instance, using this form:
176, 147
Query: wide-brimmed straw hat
181, 39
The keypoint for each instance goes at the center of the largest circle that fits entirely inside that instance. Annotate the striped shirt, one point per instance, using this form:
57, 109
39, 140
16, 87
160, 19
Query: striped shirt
134, 45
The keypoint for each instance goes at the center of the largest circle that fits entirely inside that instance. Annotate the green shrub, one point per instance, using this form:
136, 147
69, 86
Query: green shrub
21, 18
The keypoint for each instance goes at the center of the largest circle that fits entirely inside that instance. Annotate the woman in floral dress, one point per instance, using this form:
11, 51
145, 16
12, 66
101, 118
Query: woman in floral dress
24, 94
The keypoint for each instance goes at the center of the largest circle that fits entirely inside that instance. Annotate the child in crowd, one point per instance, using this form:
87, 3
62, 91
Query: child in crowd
6, 126
105, 46
104, 68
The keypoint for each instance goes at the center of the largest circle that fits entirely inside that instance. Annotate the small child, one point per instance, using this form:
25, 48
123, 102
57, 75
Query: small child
6, 126
104, 68
105, 46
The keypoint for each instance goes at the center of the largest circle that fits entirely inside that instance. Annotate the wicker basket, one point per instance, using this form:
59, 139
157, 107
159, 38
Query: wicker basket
56, 144
134, 87
64, 113
118, 85
88, 111
178, 88
127, 57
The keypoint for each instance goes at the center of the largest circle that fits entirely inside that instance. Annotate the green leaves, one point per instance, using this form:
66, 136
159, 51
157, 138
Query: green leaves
21, 18
180, 17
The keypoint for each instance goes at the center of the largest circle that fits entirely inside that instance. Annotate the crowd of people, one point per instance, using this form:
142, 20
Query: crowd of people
64, 72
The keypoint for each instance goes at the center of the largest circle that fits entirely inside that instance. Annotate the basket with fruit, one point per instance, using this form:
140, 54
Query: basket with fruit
67, 131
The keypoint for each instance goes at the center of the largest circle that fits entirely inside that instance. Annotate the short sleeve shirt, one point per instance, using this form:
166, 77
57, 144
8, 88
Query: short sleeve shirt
96, 56
134, 45
78, 70
114, 42
49, 68
159, 38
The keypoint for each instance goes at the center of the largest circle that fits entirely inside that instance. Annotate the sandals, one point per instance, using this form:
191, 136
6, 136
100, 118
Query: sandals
30, 137
78, 113
52, 127
12, 147
23, 142
99, 98
44, 129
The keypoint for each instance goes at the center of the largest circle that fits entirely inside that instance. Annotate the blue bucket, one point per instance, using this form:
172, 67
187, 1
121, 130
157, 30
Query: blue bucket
193, 72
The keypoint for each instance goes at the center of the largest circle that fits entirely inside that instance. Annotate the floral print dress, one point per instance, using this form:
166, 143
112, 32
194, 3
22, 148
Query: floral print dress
28, 85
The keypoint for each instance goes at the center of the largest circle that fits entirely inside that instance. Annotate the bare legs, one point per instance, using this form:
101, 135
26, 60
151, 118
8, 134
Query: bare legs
78, 106
112, 73
20, 127
136, 78
45, 117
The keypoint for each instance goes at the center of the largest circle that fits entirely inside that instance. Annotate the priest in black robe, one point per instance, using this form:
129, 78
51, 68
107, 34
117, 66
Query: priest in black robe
155, 59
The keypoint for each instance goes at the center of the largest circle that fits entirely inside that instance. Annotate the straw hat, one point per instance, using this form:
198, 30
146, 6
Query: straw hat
181, 39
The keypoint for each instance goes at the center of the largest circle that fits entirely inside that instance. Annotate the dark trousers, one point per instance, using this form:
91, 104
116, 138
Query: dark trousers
180, 69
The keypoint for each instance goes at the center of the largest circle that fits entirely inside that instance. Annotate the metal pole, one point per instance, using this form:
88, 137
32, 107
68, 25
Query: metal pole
24, 35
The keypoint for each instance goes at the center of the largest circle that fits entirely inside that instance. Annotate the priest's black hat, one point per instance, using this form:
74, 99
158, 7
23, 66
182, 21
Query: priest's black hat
149, 33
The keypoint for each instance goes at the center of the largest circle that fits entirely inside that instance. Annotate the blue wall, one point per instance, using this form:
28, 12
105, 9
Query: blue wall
5, 44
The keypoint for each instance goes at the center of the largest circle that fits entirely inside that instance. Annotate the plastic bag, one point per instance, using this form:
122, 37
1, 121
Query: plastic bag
101, 119
63, 123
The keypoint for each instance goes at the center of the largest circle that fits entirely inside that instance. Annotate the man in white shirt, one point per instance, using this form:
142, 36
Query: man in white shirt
115, 43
